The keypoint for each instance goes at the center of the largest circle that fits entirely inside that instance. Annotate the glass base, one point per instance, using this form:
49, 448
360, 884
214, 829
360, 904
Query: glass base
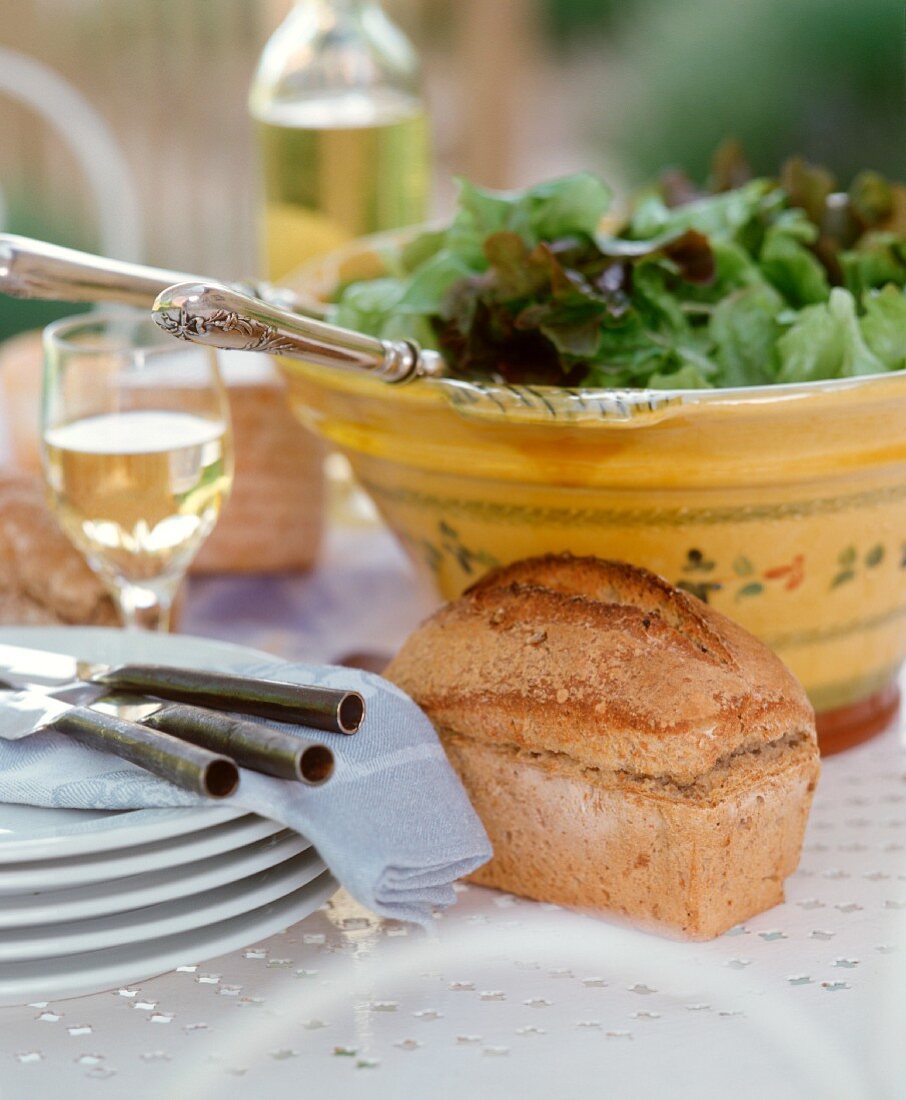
847, 726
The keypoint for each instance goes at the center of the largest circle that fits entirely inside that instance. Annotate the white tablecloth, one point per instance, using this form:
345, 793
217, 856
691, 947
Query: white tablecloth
510, 998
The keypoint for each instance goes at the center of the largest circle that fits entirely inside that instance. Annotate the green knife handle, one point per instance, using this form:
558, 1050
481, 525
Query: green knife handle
271, 751
322, 708
188, 766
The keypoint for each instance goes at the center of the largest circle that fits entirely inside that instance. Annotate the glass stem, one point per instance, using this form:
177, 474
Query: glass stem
145, 607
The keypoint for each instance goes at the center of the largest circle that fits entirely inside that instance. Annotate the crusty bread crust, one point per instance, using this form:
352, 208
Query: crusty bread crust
685, 866
627, 747
603, 662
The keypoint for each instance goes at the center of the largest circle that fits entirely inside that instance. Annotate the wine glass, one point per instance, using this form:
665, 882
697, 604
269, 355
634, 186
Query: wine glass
137, 453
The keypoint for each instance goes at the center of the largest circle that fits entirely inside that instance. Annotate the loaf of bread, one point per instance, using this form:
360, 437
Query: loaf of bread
43, 578
628, 748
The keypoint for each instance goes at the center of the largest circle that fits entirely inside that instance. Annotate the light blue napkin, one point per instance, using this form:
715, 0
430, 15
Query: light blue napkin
393, 823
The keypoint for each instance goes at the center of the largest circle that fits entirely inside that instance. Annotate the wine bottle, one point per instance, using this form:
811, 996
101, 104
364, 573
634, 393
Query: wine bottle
342, 130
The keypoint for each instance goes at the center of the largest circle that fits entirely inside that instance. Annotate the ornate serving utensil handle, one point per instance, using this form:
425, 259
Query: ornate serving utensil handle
207, 313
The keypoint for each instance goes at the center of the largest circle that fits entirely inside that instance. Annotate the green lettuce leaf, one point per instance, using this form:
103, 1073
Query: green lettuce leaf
693, 374
422, 248
575, 204
856, 356
745, 330
734, 269
366, 306
787, 262
720, 216
427, 288
688, 250
653, 297
878, 259
484, 210
826, 342
884, 326
407, 326
571, 205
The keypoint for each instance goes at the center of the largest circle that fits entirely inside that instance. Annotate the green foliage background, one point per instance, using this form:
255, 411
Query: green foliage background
824, 78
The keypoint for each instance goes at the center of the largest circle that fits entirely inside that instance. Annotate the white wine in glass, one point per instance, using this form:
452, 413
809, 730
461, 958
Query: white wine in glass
137, 454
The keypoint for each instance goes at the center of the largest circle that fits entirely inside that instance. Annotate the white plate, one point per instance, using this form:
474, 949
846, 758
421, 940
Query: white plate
167, 919
54, 874
96, 971
153, 887
29, 833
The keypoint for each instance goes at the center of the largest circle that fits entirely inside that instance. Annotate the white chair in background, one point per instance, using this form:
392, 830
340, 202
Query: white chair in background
108, 177
84, 131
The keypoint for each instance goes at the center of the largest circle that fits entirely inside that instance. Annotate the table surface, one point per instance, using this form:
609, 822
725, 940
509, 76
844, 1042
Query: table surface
507, 997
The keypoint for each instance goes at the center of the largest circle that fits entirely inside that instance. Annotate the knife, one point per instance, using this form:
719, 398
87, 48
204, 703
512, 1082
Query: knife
331, 709
273, 752
188, 766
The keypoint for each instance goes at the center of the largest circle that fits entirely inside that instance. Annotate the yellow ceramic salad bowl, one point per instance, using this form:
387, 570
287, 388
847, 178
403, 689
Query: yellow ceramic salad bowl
783, 506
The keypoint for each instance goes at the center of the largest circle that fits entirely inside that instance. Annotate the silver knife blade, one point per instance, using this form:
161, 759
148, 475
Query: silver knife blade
65, 678
80, 693
131, 707
21, 665
26, 712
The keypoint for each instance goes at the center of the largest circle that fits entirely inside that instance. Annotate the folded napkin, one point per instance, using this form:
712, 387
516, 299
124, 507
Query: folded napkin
393, 823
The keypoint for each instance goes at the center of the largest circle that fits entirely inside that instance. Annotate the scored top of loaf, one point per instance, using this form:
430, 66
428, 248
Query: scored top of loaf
604, 662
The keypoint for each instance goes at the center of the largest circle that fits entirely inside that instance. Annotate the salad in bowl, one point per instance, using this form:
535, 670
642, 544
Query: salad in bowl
758, 281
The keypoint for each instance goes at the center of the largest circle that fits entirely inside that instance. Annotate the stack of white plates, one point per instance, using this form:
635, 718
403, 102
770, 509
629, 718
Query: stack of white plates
93, 900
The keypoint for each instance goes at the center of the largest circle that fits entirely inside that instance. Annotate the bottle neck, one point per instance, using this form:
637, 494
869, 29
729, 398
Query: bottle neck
329, 45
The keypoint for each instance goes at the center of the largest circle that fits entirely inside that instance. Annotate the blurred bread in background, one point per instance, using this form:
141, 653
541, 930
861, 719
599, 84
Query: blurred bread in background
274, 518
20, 389
43, 578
